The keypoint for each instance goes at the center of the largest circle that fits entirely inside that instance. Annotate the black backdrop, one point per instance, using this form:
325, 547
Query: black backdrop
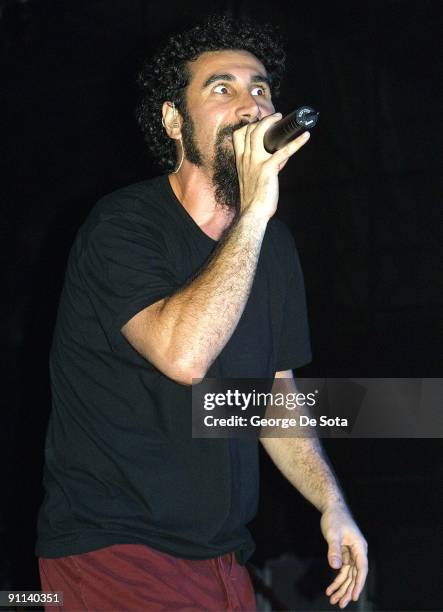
362, 200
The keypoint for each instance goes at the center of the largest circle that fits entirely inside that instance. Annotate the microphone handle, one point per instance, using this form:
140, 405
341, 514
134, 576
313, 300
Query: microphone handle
289, 127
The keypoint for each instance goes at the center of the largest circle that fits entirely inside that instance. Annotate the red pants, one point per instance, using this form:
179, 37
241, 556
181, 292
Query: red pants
136, 577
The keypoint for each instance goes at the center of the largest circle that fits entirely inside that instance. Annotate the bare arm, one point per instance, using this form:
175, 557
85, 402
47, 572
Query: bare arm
184, 333
302, 462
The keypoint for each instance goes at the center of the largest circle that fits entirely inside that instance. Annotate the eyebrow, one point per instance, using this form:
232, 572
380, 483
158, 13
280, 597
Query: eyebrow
257, 78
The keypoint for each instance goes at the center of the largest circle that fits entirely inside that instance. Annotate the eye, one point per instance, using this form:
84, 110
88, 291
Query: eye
218, 86
263, 90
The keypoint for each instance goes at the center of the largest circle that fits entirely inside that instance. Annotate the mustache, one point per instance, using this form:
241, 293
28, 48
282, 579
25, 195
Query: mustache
228, 130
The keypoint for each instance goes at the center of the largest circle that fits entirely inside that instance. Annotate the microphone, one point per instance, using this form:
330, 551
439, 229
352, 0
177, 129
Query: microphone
289, 127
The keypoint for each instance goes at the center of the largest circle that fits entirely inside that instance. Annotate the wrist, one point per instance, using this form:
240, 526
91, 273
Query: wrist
333, 503
255, 217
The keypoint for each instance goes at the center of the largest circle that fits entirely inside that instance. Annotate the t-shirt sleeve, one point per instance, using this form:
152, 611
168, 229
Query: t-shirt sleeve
124, 266
294, 348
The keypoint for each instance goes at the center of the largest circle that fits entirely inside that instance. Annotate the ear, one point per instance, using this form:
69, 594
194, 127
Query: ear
172, 121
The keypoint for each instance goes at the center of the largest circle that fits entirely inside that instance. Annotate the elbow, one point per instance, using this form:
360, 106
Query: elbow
188, 376
187, 380
162, 350
186, 372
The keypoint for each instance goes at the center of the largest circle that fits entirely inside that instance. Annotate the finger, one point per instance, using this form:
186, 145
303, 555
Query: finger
338, 581
347, 596
238, 139
261, 127
285, 152
339, 594
247, 153
361, 565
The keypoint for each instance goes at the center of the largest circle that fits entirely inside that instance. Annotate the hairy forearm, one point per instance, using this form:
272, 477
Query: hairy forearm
303, 463
199, 319
302, 460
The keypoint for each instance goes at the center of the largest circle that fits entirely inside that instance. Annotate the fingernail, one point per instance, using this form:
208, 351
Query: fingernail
278, 115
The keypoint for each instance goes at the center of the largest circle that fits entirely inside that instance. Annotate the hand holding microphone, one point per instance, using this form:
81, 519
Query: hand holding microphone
262, 149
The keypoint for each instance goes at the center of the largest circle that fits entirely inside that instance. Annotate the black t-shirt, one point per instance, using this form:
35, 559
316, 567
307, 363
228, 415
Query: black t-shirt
121, 465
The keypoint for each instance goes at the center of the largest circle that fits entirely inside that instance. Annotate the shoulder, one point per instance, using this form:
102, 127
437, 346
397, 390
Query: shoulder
140, 207
144, 198
137, 214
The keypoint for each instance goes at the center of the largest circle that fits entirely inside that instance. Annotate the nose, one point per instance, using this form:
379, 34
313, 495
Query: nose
249, 109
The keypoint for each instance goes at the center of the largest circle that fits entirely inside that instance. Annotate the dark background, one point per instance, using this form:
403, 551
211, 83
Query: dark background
362, 199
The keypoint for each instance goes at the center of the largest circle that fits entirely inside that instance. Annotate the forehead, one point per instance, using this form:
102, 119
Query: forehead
237, 62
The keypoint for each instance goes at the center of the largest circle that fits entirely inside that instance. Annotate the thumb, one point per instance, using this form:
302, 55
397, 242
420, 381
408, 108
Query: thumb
334, 555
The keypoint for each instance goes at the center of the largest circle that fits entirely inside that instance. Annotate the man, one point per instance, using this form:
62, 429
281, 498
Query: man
177, 278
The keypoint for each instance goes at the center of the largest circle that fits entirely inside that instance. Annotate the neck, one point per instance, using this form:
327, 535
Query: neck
193, 188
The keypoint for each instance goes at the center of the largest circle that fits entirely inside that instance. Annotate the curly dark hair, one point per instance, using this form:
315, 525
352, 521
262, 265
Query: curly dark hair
165, 76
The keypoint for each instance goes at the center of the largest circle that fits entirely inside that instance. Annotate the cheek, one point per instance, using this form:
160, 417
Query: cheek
266, 107
200, 132
220, 120
208, 121
211, 126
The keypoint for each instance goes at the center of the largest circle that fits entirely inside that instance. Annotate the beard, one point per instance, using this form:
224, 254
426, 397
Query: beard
224, 176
